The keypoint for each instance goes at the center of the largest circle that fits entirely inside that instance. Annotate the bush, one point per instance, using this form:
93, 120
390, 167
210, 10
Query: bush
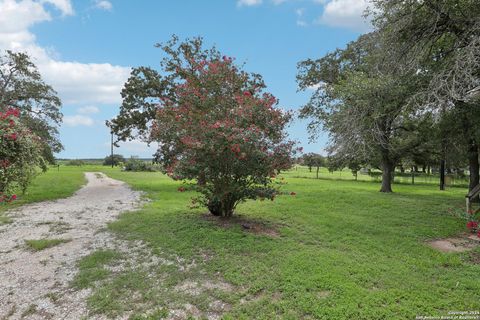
76, 162
20, 155
135, 164
117, 160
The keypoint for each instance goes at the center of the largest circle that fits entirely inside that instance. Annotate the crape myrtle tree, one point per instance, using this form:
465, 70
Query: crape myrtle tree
214, 123
22, 87
362, 101
20, 154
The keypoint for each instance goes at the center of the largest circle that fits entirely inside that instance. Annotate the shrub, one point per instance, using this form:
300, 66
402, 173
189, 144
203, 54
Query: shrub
135, 164
117, 160
472, 218
20, 155
76, 162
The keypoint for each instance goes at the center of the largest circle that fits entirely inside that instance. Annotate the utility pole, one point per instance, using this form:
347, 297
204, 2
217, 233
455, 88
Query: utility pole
111, 148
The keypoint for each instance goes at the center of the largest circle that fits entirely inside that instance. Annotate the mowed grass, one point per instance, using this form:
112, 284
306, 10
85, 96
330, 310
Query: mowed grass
42, 244
53, 184
344, 251
400, 178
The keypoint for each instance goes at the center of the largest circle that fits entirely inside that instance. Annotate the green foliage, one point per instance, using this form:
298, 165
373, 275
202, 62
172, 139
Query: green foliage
117, 160
136, 164
363, 104
214, 123
20, 155
76, 162
22, 87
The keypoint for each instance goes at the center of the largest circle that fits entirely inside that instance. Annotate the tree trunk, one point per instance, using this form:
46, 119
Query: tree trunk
318, 169
473, 164
442, 175
215, 207
413, 176
222, 208
387, 174
402, 169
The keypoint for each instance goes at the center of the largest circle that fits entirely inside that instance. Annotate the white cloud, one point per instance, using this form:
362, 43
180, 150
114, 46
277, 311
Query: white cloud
80, 83
345, 13
88, 110
78, 120
248, 3
65, 6
76, 83
103, 5
300, 12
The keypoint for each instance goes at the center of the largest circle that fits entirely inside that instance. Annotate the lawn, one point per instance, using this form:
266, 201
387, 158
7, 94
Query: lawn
340, 250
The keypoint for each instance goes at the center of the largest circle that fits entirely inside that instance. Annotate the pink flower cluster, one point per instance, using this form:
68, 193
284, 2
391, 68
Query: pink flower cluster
6, 198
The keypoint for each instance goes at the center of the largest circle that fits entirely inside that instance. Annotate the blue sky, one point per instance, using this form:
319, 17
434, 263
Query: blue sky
85, 50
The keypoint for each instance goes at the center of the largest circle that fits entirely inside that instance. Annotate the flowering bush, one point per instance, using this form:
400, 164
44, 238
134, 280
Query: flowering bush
472, 217
473, 222
218, 127
20, 155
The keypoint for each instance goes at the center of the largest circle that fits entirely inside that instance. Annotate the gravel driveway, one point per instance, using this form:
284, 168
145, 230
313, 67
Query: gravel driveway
35, 284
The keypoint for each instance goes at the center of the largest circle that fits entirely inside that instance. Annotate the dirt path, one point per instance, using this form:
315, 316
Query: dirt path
35, 285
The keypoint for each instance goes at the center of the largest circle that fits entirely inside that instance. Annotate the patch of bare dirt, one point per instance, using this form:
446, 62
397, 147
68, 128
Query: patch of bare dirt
248, 225
474, 257
456, 244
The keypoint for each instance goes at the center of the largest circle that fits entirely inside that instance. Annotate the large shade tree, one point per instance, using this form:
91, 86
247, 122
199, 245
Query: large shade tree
440, 39
362, 101
214, 124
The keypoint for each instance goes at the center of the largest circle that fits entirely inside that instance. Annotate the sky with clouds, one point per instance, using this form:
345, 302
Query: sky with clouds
85, 49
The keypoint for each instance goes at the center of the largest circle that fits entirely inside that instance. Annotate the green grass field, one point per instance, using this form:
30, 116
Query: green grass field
337, 250
344, 251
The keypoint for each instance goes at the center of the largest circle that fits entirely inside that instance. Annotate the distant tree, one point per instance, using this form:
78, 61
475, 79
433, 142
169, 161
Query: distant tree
213, 121
115, 160
338, 163
22, 87
307, 161
20, 155
314, 160
139, 165
76, 163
